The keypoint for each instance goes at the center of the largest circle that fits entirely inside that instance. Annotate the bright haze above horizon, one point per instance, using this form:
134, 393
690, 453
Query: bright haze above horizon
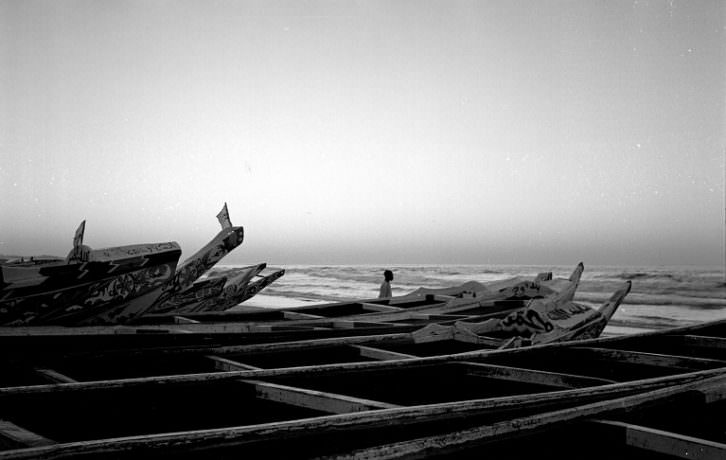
368, 132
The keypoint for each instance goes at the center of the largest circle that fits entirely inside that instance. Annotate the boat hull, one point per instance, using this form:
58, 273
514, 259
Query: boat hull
114, 285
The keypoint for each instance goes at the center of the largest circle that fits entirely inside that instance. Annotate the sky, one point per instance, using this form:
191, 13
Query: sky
357, 132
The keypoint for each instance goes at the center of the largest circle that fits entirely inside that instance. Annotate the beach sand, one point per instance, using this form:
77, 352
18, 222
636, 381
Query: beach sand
266, 301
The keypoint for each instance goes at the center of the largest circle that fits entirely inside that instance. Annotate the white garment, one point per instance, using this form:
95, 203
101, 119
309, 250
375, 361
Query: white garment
385, 290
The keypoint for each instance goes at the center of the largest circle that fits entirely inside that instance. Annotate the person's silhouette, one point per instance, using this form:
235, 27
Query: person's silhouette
385, 291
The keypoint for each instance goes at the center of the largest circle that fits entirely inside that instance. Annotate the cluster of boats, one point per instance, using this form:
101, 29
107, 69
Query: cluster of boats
117, 285
166, 367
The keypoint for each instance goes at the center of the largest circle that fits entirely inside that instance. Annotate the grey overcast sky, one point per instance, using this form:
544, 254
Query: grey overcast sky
540, 132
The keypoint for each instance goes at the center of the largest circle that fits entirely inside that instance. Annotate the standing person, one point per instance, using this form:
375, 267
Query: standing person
385, 291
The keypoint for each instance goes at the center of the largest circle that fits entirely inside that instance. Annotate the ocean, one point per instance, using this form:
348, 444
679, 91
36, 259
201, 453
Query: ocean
661, 296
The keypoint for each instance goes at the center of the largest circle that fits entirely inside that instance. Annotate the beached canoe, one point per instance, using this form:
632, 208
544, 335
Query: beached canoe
117, 296
409, 407
552, 319
189, 271
90, 285
260, 282
543, 285
506, 296
194, 299
364, 317
238, 289
91, 351
199, 292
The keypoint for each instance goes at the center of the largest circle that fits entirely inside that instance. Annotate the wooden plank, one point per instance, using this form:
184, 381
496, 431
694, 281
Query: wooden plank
649, 359
713, 393
53, 376
383, 355
516, 374
563, 412
380, 308
299, 315
450, 443
666, 442
698, 341
297, 345
184, 320
224, 364
363, 322
372, 366
19, 435
322, 401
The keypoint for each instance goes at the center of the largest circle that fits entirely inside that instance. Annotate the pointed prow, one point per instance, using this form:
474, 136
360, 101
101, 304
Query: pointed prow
608, 308
78, 237
79, 251
569, 292
577, 273
223, 217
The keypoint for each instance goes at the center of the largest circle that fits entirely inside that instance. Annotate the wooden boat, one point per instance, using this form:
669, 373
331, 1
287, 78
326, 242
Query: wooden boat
408, 310
201, 298
238, 289
260, 282
427, 341
398, 407
199, 292
89, 286
515, 287
228, 238
553, 319
367, 317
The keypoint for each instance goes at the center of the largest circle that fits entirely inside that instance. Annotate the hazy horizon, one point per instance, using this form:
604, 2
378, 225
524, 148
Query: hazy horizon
375, 132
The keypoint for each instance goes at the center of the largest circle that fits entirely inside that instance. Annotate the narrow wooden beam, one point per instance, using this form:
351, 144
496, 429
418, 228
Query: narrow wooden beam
379, 354
713, 393
184, 320
380, 308
224, 364
566, 409
649, 359
322, 401
552, 379
54, 376
666, 442
298, 315
363, 322
698, 341
22, 437
297, 345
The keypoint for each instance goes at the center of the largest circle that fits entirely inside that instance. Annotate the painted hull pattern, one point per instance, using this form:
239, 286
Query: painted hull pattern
549, 320
199, 292
104, 289
232, 294
254, 287
196, 265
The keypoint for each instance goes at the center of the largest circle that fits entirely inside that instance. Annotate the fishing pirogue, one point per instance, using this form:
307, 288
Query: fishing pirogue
116, 285
513, 314
385, 401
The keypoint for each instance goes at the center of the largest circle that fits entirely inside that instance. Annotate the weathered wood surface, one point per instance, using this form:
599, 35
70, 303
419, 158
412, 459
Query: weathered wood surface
54, 376
462, 439
650, 359
665, 442
515, 374
318, 400
366, 420
353, 367
17, 435
290, 387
